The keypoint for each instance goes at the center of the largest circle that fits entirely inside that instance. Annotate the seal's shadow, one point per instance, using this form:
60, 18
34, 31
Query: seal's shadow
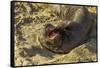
29, 52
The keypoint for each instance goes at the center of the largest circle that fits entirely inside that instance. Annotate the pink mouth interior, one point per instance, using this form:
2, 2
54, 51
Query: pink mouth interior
52, 34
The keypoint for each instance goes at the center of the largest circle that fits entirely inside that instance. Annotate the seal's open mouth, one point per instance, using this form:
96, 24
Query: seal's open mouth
52, 34
51, 31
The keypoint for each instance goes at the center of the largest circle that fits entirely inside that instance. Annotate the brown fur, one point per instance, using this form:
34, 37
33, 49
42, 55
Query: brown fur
69, 35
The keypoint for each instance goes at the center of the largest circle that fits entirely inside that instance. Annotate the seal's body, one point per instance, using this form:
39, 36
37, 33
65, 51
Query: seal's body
64, 37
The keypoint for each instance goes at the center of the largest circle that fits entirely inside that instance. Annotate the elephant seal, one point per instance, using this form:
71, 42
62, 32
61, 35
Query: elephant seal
65, 37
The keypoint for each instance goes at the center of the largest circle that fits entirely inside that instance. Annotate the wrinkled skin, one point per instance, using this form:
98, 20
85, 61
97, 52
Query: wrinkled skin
65, 37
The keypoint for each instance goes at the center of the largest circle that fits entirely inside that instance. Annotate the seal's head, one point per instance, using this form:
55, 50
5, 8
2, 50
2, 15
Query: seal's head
53, 38
51, 35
